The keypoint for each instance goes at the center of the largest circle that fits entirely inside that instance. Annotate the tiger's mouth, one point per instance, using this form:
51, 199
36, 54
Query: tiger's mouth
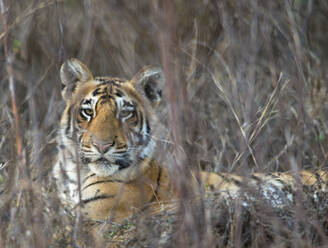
122, 163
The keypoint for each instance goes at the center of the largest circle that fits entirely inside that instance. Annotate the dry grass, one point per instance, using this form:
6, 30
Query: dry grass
246, 90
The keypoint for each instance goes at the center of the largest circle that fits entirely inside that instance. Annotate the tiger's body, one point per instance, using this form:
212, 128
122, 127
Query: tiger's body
106, 135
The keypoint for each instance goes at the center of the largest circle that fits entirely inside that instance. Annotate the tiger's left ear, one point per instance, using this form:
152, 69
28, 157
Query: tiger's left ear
150, 82
72, 74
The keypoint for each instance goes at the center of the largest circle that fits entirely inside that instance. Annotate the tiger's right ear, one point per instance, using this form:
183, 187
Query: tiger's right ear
72, 74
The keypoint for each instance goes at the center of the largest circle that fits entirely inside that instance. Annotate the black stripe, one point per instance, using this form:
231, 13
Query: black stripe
274, 176
99, 91
102, 181
230, 179
96, 92
122, 151
98, 197
119, 93
319, 179
140, 117
112, 82
148, 127
68, 127
87, 101
86, 178
134, 114
105, 81
100, 79
123, 163
127, 104
256, 178
158, 185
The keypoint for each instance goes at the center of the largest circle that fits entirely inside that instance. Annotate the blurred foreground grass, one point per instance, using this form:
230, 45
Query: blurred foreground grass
251, 81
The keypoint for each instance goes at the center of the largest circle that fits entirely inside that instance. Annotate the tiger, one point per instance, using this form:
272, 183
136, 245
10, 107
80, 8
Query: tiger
106, 161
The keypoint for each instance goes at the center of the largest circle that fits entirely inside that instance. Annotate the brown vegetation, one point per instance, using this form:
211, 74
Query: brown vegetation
246, 90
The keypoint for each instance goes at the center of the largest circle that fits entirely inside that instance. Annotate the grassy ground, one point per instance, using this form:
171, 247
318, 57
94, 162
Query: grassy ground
246, 90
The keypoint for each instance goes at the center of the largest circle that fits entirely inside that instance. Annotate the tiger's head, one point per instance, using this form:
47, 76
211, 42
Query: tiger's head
108, 123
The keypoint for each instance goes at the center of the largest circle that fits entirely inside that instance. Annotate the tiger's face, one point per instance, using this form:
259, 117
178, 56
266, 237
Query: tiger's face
109, 119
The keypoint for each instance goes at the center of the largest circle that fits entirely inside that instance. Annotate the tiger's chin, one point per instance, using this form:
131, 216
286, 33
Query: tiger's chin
103, 167
121, 169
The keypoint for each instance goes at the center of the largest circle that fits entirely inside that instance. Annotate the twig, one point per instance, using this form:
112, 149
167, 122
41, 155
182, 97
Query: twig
9, 68
78, 174
29, 12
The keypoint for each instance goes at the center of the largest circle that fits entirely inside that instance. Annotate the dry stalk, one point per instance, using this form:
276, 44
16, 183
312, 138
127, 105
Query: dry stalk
29, 12
9, 60
219, 85
176, 92
78, 173
27, 194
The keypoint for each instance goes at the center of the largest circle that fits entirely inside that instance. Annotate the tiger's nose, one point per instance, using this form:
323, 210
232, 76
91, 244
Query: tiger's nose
103, 148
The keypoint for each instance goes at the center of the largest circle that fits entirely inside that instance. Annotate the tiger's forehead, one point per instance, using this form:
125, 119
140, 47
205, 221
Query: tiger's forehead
99, 86
103, 89
108, 86
112, 88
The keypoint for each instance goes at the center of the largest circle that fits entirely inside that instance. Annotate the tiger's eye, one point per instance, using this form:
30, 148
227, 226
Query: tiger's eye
125, 113
88, 111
